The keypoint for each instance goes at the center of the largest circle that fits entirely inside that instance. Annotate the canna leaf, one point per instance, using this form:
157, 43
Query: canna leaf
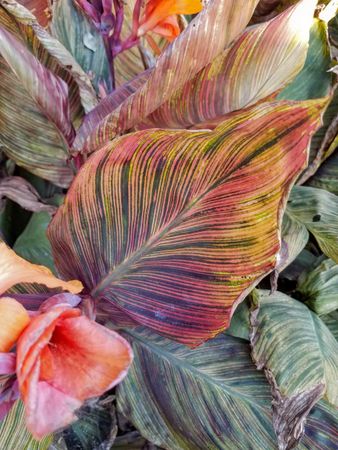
331, 321
40, 9
51, 53
28, 88
318, 211
32, 244
173, 228
14, 433
314, 80
184, 399
326, 177
262, 61
70, 26
181, 398
300, 358
319, 287
220, 22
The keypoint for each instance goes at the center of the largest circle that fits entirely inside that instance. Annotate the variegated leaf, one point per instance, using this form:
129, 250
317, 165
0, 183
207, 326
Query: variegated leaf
220, 22
29, 90
173, 228
300, 359
318, 211
262, 61
71, 27
52, 54
319, 287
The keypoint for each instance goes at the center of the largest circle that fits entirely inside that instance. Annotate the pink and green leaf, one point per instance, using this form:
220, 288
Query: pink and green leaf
218, 24
173, 228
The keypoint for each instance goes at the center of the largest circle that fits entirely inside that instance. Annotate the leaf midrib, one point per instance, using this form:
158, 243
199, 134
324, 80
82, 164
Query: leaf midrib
175, 361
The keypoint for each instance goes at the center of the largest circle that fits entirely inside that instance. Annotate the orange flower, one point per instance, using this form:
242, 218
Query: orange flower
63, 358
160, 16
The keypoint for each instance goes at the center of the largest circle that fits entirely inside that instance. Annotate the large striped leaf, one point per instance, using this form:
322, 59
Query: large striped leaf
300, 358
220, 22
174, 227
208, 398
262, 61
29, 90
319, 288
318, 211
14, 434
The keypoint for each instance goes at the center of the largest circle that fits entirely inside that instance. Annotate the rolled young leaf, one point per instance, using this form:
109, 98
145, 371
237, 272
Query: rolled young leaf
173, 228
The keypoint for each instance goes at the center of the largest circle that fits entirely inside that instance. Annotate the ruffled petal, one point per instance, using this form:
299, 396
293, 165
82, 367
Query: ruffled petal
15, 269
88, 359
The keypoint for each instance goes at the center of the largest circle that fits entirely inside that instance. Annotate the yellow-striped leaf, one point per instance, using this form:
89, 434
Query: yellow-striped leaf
172, 228
220, 22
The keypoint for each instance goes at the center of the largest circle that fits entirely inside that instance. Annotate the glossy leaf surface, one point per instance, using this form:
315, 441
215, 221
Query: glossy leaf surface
173, 228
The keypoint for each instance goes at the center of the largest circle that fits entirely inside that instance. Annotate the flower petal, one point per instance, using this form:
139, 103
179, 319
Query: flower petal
88, 359
16, 270
13, 320
157, 11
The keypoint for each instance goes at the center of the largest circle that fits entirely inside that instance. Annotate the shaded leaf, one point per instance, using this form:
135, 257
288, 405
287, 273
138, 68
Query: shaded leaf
32, 244
294, 238
261, 61
326, 177
180, 398
95, 429
321, 428
300, 358
196, 214
14, 434
71, 27
304, 261
220, 22
31, 91
53, 55
319, 288
22, 192
318, 211
331, 321
240, 321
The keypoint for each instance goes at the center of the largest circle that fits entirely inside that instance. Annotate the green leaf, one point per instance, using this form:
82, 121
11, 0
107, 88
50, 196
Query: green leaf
96, 427
317, 209
326, 176
208, 398
314, 80
321, 428
331, 321
196, 214
33, 244
14, 434
294, 238
240, 321
300, 358
319, 287
72, 28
